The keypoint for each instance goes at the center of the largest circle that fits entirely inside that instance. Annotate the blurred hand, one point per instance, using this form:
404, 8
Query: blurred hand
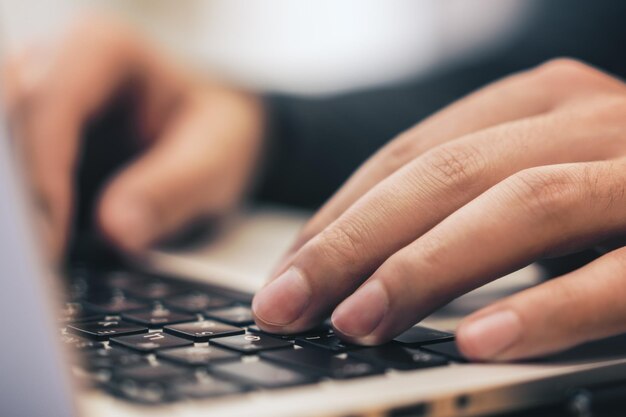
200, 140
531, 166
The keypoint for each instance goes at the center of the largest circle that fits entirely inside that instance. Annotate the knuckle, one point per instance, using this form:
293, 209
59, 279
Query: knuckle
560, 74
343, 245
567, 71
546, 193
94, 32
455, 166
607, 111
603, 186
618, 259
89, 25
400, 151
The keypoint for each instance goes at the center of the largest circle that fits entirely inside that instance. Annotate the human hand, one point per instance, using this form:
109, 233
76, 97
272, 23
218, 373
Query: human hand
199, 140
529, 167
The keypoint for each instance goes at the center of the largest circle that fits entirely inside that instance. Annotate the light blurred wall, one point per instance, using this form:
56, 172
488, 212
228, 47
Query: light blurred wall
304, 46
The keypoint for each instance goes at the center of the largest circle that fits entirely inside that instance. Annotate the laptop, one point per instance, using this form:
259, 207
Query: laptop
173, 335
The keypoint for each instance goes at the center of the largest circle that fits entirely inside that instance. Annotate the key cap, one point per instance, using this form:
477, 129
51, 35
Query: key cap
122, 279
149, 384
202, 331
328, 341
105, 329
197, 355
150, 342
322, 362
206, 388
78, 343
396, 356
196, 302
152, 373
448, 349
261, 374
319, 331
237, 315
420, 335
74, 313
157, 317
115, 305
107, 359
153, 290
251, 343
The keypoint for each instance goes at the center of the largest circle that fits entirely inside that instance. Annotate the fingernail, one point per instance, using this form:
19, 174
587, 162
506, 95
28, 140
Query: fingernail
361, 313
283, 300
491, 335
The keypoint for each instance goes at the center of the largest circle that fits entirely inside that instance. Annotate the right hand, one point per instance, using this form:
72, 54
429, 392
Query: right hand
200, 140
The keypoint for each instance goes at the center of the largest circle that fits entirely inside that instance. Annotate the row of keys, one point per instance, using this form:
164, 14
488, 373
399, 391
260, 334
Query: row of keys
96, 287
280, 363
135, 322
235, 338
139, 317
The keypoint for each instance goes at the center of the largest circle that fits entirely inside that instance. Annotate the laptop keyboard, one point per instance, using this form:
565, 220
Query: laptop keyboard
152, 339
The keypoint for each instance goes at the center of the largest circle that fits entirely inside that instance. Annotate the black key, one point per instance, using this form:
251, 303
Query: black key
419, 335
157, 317
196, 302
322, 362
153, 290
448, 349
251, 343
202, 331
205, 388
150, 342
396, 356
107, 359
122, 280
328, 341
152, 373
115, 305
318, 331
105, 329
197, 355
262, 374
74, 313
79, 343
237, 315
149, 384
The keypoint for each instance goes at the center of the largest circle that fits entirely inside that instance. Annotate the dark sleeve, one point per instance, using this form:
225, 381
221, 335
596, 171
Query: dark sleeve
315, 143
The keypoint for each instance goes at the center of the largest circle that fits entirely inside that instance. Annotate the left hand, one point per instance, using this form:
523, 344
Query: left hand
531, 166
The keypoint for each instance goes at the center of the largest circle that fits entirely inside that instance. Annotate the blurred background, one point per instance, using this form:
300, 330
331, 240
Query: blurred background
299, 46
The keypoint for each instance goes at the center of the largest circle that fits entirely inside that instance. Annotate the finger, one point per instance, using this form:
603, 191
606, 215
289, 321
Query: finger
199, 167
90, 64
584, 305
519, 96
530, 215
414, 199
51, 108
22, 73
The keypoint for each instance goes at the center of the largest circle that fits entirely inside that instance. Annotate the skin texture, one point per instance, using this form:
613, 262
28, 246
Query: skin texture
194, 134
528, 167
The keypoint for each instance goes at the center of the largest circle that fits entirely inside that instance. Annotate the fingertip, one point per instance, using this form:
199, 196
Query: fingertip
283, 301
127, 222
488, 337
